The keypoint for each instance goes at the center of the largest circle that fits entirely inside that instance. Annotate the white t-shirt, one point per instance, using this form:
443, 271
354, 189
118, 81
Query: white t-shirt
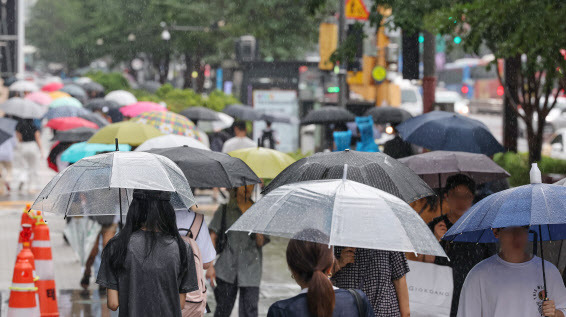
496, 288
184, 221
237, 143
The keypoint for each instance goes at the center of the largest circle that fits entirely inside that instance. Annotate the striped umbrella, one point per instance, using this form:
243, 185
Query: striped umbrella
169, 123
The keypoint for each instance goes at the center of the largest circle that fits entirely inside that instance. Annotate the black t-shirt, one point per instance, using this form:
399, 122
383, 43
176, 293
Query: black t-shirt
27, 129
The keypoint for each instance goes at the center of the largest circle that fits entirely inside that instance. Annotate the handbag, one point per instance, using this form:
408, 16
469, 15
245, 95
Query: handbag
222, 238
362, 308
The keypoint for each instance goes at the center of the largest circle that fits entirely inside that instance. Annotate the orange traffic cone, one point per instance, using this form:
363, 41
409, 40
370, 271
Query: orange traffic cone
23, 292
41, 248
27, 218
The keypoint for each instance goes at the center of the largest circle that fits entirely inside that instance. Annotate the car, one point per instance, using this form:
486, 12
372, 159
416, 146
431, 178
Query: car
555, 120
557, 145
451, 101
411, 99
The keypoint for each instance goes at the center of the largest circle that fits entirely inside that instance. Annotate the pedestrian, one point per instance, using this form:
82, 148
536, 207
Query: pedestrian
379, 274
397, 147
240, 140
511, 283
28, 151
268, 137
239, 265
310, 264
185, 219
459, 196
147, 268
6, 158
217, 140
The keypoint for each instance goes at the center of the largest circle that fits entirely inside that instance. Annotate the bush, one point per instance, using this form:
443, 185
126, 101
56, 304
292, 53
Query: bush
110, 81
518, 166
178, 99
217, 100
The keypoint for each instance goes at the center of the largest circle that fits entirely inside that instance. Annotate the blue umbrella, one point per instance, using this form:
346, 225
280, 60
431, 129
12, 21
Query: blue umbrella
66, 111
448, 131
78, 151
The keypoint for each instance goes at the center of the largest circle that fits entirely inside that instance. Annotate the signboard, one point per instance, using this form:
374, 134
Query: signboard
356, 9
278, 101
379, 73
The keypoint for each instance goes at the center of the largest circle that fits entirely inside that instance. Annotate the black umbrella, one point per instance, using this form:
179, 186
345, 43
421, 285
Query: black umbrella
93, 86
328, 115
276, 117
200, 113
7, 129
101, 104
374, 169
74, 135
96, 118
242, 112
205, 169
387, 114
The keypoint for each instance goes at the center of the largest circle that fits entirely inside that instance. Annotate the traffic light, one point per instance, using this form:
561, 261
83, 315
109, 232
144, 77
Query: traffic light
457, 40
333, 89
8, 44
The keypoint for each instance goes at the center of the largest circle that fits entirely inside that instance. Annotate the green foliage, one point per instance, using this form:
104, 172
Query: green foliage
143, 95
217, 100
110, 81
179, 99
518, 166
164, 90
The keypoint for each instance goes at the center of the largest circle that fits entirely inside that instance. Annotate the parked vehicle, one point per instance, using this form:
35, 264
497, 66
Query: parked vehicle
451, 101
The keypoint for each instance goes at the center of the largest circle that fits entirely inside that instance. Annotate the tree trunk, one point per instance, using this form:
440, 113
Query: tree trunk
535, 139
510, 124
187, 83
164, 69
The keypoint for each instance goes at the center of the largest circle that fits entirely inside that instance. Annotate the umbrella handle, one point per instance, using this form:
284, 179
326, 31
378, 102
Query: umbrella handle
542, 259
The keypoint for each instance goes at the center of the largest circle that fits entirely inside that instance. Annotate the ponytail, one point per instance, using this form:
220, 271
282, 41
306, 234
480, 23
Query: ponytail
320, 297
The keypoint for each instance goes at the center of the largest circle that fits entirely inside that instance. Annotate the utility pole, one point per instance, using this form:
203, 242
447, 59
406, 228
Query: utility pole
342, 69
510, 126
429, 70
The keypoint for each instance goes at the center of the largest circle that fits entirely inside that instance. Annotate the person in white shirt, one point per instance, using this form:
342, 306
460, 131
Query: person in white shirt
185, 220
240, 141
511, 283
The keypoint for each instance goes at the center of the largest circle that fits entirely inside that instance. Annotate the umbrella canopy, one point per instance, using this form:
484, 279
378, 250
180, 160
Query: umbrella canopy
242, 112
83, 80
387, 114
23, 86
266, 163
74, 135
140, 107
75, 91
171, 140
54, 86
39, 97
7, 129
22, 108
65, 111
131, 133
58, 94
200, 113
101, 104
95, 118
56, 149
448, 131
277, 117
349, 214
78, 151
94, 185
93, 86
68, 123
66, 102
122, 97
82, 234
225, 121
207, 169
151, 86
374, 169
435, 167
169, 123
328, 115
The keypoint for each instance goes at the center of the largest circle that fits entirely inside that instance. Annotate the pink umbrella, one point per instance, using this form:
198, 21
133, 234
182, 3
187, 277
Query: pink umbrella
52, 87
68, 123
39, 97
141, 107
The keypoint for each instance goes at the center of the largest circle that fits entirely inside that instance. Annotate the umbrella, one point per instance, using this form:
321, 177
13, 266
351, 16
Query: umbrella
39, 97
170, 123
68, 123
349, 214
327, 115
448, 131
75, 91
95, 118
225, 121
103, 184
374, 169
65, 111
101, 104
207, 169
435, 167
266, 163
141, 107
151, 86
200, 113
171, 140
131, 133
54, 86
66, 101
74, 135
23, 86
7, 129
58, 94
81, 150
387, 114
83, 80
242, 112
277, 117
82, 234
22, 108
92, 86
122, 97
56, 149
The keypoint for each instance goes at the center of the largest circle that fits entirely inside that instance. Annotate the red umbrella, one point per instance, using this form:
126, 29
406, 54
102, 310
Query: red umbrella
68, 123
52, 87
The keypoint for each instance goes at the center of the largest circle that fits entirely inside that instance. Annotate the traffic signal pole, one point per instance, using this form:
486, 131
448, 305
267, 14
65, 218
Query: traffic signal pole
342, 69
429, 70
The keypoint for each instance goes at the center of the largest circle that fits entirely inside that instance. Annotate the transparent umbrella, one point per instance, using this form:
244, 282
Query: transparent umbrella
82, 234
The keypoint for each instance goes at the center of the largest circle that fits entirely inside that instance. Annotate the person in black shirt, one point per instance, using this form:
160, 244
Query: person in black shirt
397, 148
459, 194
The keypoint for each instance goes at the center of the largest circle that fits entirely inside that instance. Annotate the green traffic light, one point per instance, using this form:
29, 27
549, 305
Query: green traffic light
421, 39
457, 40
333, 89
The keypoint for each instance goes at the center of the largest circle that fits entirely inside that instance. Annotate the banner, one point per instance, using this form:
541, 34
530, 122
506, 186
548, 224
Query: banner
430, 289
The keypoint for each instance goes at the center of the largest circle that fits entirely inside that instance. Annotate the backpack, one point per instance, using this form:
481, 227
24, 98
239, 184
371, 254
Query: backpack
268, 136
195, 304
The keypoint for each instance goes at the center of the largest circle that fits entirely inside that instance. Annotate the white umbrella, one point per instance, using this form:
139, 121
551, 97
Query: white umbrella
122, 97
24, 86
22, 108
349, 213
212, 126
170, 140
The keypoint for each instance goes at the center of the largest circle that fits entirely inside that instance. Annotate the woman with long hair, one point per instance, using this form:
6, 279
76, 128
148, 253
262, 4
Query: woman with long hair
147, 268
310, 264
